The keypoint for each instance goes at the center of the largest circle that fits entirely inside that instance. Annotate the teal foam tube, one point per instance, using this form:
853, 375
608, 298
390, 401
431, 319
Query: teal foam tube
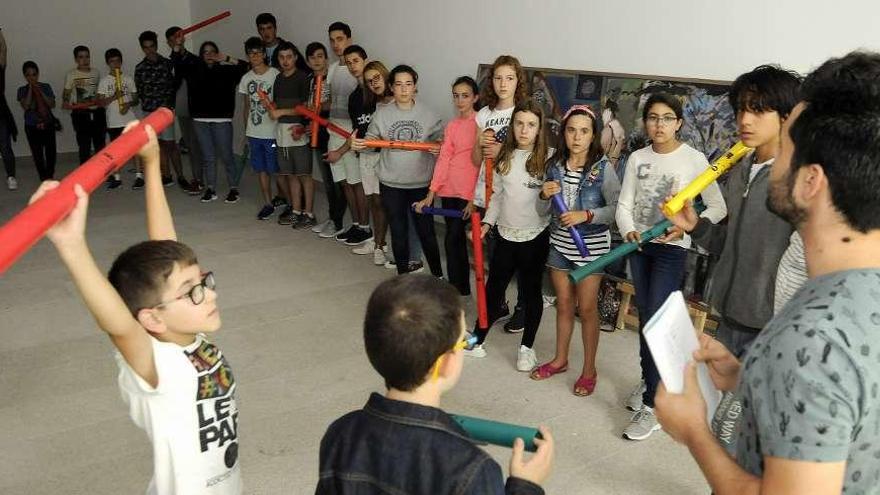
495, 433
623, 250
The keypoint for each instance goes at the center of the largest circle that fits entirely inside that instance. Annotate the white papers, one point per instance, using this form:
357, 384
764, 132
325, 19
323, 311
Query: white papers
672, 339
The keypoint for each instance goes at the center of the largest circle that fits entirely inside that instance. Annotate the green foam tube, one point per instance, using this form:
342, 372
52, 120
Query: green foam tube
495, 433
624, 249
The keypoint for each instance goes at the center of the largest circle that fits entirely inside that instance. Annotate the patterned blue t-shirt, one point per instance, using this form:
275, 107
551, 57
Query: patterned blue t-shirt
810, 383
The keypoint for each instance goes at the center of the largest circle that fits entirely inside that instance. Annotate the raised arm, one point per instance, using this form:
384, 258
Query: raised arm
107, 307
160, 225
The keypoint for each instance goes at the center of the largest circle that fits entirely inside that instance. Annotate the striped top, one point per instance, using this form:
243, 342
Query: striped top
597, 244
792, 272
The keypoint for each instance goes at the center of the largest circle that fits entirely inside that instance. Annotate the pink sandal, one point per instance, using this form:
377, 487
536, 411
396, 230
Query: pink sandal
585, 385
546, 370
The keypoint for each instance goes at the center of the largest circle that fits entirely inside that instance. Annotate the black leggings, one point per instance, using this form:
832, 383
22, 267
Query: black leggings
527, 259
43, 149
455, 242
397, 203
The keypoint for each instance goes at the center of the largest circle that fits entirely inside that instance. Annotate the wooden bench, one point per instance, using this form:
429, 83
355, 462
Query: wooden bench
628, 315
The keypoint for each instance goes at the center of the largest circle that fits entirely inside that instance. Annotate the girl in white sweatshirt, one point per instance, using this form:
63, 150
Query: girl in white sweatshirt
521, 219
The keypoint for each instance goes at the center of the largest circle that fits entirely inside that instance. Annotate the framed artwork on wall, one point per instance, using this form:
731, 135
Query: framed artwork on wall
709, 121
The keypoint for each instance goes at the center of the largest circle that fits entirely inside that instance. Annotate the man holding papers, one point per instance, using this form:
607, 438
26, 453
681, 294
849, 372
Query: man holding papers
810, 382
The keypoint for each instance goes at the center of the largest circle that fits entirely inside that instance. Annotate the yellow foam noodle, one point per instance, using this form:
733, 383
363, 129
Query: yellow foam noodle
721, 165
117, 74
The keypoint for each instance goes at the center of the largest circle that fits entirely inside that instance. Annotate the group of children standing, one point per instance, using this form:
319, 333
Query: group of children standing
388, 189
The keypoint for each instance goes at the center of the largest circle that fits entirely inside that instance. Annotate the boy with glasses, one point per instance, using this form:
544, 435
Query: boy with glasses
414, 333
156, 304
260, 128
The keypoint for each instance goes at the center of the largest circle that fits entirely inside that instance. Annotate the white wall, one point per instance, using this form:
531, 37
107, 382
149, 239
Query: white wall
442, 39
46, 31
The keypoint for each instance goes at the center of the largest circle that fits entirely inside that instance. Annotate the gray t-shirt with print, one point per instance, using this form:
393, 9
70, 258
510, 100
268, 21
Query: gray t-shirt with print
810, 382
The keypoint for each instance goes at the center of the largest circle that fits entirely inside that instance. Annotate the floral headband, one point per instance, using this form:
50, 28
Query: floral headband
584, 108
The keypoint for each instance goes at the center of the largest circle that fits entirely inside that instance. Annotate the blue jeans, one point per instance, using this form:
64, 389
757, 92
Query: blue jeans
657, 271
215, 141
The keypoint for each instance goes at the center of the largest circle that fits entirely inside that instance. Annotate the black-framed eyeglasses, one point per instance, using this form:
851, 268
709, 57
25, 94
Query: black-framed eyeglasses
197, 293
661, 119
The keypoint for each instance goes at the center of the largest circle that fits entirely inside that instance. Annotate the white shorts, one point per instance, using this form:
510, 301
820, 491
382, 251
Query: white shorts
347, 168
369, 180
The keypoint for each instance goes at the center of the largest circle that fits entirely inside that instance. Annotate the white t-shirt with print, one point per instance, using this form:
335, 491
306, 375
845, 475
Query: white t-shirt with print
191, 418
83, 86
259, 124
651, 176
498, 121
106, 89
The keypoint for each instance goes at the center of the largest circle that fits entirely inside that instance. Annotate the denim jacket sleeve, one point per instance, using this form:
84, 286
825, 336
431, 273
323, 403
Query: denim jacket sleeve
488, 481
610, 192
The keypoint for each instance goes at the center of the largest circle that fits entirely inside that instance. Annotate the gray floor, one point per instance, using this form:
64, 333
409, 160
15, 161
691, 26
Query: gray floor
292, 307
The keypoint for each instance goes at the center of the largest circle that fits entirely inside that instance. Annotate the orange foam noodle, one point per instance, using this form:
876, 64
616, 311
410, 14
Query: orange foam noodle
28, 226
490, 167
319, 88
200, 25
264, 98
402, 145
308, 113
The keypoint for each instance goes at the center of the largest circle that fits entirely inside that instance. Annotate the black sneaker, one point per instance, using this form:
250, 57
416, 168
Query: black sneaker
308, 221
297, 221
286, 216
232, 197
113, 183
183, 183
266, 212
167, 181
359, 237
415, 267
209, 195
279, 201
517, 322
346, 233
137, 184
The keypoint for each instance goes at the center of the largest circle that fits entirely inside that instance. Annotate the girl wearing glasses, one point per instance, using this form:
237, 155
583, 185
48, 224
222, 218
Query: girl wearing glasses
652, 173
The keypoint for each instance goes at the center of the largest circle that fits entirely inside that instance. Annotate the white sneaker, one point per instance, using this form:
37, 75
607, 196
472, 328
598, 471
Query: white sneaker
526, 360
365, 248
634, 401
11, 183
318, 228
477, 351
379, 257
330, 231
389, 258
642, 424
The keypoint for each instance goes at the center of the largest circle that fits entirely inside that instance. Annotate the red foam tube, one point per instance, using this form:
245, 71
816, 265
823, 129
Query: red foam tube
402, 145
25, 229
479, 272
264, 98
306, 112
200, 25
319, 88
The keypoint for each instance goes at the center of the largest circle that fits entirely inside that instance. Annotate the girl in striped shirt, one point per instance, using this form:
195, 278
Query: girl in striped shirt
589, 187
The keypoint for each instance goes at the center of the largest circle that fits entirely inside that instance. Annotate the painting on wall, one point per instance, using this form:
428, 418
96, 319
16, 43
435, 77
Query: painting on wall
709, 121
